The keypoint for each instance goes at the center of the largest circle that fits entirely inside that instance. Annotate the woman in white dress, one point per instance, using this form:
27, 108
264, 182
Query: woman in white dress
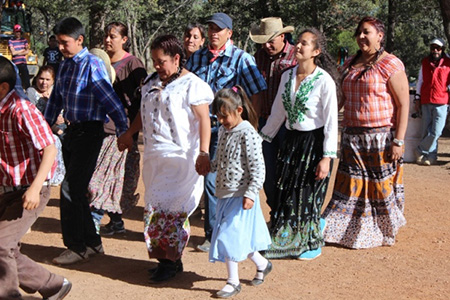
175, 120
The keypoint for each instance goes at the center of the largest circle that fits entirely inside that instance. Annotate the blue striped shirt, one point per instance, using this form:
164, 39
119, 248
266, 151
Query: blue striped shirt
83, 90
233, 67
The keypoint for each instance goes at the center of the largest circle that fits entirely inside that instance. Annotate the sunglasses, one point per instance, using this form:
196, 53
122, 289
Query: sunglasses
436, 47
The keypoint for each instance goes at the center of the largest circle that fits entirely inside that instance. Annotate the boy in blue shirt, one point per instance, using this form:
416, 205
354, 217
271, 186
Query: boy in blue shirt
83, 90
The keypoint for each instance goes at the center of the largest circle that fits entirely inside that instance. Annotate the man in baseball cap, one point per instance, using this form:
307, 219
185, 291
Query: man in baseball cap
432, 98
222, 65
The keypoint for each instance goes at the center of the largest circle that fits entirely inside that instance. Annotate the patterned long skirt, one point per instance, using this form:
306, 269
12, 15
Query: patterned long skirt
366, 209
296, 224
115, 178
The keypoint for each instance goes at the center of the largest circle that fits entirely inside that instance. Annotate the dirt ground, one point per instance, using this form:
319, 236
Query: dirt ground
416, 267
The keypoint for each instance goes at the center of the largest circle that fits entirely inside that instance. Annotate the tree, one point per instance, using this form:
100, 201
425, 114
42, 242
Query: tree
445, 10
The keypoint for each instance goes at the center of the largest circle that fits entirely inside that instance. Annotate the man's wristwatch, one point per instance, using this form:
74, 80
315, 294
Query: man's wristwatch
399, 142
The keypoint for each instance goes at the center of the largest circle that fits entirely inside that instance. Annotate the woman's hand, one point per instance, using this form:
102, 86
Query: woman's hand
323, 168
396, 152
247, 203
202, 164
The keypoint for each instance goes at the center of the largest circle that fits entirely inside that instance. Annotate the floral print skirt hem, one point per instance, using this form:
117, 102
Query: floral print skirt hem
366, 209
166, 233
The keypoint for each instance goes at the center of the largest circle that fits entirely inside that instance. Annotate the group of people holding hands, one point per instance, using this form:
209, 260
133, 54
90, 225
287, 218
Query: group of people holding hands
219, 122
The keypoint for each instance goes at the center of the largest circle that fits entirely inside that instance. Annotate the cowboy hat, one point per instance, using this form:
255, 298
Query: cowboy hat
105, 58
268, 29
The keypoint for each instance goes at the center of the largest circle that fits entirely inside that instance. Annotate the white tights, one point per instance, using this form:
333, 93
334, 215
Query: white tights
233, 272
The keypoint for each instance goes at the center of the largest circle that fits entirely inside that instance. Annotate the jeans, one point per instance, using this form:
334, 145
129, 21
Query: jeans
270, 152
210, 190
17, 269
81, 147
433, 122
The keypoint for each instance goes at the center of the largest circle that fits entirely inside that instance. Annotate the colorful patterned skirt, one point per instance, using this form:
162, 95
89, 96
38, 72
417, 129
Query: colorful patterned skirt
366, 209
295, 227
172, 192
115, 178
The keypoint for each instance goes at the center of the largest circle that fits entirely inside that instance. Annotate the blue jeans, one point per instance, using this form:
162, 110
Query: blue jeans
270, 152
210, 190
433, 123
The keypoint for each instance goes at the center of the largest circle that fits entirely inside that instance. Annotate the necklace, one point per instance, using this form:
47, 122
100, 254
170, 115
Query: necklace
173, 77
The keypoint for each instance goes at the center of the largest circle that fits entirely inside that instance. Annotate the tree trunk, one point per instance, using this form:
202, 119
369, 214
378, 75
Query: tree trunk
392, 20
445, 10
97, 16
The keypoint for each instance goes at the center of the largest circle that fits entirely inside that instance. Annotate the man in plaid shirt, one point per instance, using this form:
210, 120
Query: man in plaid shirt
83, 90
27, 159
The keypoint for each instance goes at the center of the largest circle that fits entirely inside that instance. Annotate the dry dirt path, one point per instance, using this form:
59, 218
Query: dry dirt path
416, 267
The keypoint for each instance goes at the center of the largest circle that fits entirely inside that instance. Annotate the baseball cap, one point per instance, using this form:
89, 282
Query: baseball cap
437, 41
222, 20
17, 27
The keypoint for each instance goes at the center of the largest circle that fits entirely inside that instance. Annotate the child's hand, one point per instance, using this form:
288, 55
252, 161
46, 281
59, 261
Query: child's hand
125, 141
247, 203
323, 168
202, 165
31, 199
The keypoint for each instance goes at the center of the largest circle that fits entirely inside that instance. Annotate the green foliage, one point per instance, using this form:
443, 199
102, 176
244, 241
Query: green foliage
417, 23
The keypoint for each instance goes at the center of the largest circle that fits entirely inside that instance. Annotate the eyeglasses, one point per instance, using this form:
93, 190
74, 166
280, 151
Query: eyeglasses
436, 47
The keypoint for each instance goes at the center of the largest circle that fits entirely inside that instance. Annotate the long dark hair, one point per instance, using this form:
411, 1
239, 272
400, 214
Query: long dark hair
122, 29
379, 26
230, 99
324, 59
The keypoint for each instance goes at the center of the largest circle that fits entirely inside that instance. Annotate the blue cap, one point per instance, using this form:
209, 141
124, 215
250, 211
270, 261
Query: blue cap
222, 20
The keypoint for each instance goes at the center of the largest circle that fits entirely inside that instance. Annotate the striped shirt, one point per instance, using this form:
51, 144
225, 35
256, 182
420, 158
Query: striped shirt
23, 134
233, 67
83, 90
271, 68
368, 101
18, 45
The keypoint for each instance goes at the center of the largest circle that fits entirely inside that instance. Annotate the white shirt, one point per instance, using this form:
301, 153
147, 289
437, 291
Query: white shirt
312, 106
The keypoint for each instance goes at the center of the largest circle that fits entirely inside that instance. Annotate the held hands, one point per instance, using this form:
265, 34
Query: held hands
125, 141
202, 164
247, 203
323, 168
31, 198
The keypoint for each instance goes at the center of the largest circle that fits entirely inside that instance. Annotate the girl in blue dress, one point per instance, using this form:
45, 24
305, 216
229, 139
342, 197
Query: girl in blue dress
240, 230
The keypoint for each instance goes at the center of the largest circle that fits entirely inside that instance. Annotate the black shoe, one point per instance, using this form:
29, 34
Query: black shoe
166, 269
112, 228
178, 263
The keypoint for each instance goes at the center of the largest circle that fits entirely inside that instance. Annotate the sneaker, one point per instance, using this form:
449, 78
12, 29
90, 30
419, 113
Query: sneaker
323, 225
69, 257
310, 255
62, 293
204, 247
112, 228
90, 251
429, 162
420, 159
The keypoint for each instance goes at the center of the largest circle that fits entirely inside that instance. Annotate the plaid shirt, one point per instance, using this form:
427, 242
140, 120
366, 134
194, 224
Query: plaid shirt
233, 67
83, 90
23, 135
271, 68
368, 101
18, 45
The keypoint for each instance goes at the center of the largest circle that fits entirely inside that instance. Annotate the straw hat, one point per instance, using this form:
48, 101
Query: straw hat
105, 57
268, 29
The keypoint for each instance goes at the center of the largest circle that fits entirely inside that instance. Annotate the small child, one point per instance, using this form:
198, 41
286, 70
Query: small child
240, 230
52, 54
